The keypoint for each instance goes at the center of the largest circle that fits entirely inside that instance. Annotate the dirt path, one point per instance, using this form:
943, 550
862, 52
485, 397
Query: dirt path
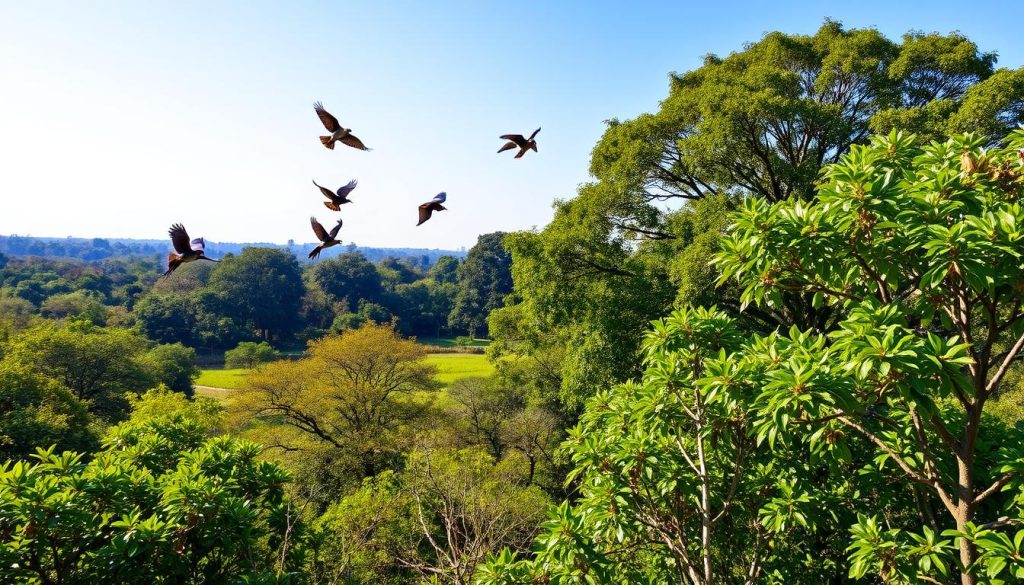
213, 392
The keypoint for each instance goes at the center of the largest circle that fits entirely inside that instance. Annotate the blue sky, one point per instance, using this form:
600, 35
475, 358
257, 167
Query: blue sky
118, 119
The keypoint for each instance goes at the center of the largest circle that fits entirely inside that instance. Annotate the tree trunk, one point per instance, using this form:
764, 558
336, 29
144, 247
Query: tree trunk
965, 492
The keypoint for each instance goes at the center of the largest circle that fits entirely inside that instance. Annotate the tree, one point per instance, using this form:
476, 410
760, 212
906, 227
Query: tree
445, 270
760, 122
354, 393
15, 315
423, 307
173, 365
349, 277
248, 355
198, 319
80, 304
673, 486
97, 364
921, 248
161, 504
484, 280
263, 288
39, 412
438, 519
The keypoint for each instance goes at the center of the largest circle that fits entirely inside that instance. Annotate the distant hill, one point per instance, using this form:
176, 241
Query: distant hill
91, 249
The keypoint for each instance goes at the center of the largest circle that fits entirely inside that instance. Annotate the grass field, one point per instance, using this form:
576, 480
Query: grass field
451, 367
221, 378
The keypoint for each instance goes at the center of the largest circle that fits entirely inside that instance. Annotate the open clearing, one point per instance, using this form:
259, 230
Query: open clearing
217, 383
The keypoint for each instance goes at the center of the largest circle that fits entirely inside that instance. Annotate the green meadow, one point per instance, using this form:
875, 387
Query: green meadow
451, 367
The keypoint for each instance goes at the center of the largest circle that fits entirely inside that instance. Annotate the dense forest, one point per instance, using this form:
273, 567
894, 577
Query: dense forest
777, 338
91, 249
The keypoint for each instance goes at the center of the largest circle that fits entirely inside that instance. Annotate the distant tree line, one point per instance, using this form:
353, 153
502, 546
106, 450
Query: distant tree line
264, 294
92, 249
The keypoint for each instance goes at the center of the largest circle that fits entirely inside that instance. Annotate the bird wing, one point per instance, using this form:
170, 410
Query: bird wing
508, 146
334, 231
354, 142
329, 121
517, 138
198, 245
441, 197
534, 133
346, 189
179, 239
318, 229
327, 192
425, 212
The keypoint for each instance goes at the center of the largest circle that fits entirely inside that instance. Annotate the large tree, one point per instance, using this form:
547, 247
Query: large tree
99, 365
348, 278
264, 289
923, 249
759, 122
484, 280
745, 459
353, 394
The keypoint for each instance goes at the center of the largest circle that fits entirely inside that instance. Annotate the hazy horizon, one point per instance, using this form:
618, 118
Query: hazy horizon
121, 119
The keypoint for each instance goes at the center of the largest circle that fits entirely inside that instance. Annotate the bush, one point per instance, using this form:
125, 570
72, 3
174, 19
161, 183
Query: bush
249, 355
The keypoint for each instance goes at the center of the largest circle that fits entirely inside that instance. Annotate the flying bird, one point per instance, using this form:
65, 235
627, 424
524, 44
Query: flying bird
340, 198
337, 131
187, 250
517, 140
326, 239
431, 206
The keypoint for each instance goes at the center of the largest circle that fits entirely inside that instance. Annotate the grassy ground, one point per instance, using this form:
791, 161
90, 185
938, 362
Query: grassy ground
451, 367
221, 378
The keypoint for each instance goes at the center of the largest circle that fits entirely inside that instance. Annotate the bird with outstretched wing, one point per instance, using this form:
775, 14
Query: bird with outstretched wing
518, 141
185, 250
428, 208
327, 239
338, 132
337, 198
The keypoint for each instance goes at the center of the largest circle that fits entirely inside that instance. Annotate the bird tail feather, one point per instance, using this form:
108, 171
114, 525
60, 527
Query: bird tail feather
326, 141
173, 261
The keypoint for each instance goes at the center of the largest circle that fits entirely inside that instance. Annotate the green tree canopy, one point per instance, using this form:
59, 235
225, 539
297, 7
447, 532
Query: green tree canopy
97, 364
762, 121
35, 410
263, 288
160, 504
484, 280
732, 451
249, 355
348, 277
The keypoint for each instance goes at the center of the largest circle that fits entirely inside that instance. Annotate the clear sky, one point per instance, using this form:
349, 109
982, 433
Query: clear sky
120, 118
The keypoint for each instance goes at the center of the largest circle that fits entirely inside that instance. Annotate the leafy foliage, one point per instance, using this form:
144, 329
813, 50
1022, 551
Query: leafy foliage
249, 355
763, 122
160, 504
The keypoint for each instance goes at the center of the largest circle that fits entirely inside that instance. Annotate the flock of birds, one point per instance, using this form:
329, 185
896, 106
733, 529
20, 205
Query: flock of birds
189, 250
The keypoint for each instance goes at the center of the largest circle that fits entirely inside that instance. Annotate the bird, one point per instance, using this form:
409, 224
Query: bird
340, 198
326, 239
517, 140
337, 131
431, 206
187, 250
